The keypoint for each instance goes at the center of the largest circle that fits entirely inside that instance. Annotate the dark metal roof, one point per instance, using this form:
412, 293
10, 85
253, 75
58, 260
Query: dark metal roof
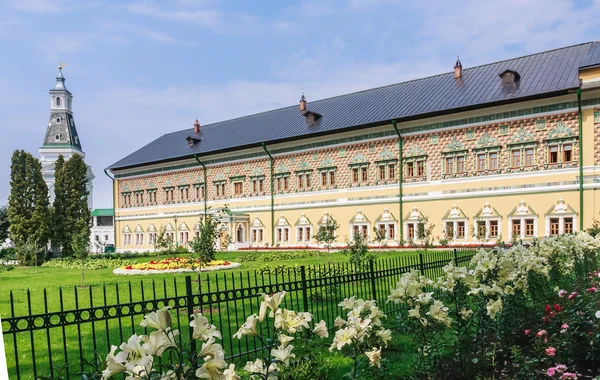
543, 74
592, 58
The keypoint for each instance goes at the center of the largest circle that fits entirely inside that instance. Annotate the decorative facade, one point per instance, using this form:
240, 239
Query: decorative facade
518, 167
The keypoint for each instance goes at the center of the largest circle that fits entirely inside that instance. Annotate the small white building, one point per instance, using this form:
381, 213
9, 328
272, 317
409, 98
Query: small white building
103, 230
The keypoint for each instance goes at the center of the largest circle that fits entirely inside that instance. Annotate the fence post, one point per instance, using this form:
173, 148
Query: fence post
304, 292
373, 289
421, 264
190, 311
455, 258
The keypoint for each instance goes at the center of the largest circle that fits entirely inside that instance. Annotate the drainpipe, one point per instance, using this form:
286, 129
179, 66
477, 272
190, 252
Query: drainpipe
114, 208
205, 188
580, 159
264, 146
400, 170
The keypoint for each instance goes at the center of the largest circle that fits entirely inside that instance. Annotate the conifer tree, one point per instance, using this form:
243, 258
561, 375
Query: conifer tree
3, 223
59, 206
77, 213
28, 212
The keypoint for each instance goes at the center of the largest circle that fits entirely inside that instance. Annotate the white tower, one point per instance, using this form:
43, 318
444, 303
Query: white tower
61, 136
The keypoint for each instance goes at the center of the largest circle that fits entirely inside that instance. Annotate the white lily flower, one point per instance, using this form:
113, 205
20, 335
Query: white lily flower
283, 354
211, 367
202, 329
159, 319
321, 330
248, 328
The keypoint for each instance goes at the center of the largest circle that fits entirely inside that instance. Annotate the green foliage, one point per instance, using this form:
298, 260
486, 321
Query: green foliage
80, 244
326, 234
6, 268
162, 242
30, 254
75, 212
358, 252
378, 236
59, 207
71, 263
8, 254
276, 256
594, 230
28, 213
203, 247
3, 223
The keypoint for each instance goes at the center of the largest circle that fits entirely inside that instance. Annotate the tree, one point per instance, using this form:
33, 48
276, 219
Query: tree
326, 234
28, 212
59, 210
80, 244
203, 246
163, 242
3, 223
358, 251
379, 236
76, 207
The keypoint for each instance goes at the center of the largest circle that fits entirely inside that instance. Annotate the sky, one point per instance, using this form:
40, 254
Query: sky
140, 69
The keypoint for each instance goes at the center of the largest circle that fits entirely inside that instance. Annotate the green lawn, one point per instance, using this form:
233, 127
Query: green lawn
31, 287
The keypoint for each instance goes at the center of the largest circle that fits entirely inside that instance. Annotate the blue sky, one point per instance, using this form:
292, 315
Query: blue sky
140, 69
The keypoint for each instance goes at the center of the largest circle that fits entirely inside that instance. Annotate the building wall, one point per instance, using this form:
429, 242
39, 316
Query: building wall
537, 188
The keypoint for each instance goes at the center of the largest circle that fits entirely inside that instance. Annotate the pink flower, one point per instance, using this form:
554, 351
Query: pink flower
572, 295
591, 290
561, 367
551, 372
540, 333
551, 351
527, 332
562, 293
568, 376
564, 326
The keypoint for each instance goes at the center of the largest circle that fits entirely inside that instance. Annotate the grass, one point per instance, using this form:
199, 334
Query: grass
37, 291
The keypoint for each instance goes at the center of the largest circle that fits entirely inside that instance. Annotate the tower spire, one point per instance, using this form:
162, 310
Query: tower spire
60, 79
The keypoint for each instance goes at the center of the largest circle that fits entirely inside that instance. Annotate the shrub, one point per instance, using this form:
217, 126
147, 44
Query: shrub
70, 263
8, 253
277, 256
6, 268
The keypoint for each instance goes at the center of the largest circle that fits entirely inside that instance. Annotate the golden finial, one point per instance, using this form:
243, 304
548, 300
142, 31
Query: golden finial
61, 65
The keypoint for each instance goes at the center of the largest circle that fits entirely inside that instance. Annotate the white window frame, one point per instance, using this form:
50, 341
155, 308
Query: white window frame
260, 234
302, 230
487, 221
522, 219
455, 221
386, 226
280, 231
361, 226
561, 222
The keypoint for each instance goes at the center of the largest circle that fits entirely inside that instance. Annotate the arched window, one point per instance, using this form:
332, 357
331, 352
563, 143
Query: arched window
57, 137
58, 102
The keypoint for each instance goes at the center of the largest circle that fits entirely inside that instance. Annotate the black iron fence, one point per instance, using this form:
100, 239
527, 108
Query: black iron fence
57, 336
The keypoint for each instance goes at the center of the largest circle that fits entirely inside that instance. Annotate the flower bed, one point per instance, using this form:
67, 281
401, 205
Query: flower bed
174, 265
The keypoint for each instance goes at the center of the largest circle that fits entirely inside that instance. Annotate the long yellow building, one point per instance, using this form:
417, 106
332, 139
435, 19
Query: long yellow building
508, 150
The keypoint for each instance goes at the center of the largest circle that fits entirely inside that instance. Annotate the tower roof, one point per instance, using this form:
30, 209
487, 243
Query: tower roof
60, 81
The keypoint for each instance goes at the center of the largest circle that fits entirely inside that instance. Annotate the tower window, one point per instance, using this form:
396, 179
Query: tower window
58, 119
58, 102
57, 137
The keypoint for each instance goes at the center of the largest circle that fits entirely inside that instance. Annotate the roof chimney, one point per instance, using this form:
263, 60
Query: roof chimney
457, 69
302, 103
196, 126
